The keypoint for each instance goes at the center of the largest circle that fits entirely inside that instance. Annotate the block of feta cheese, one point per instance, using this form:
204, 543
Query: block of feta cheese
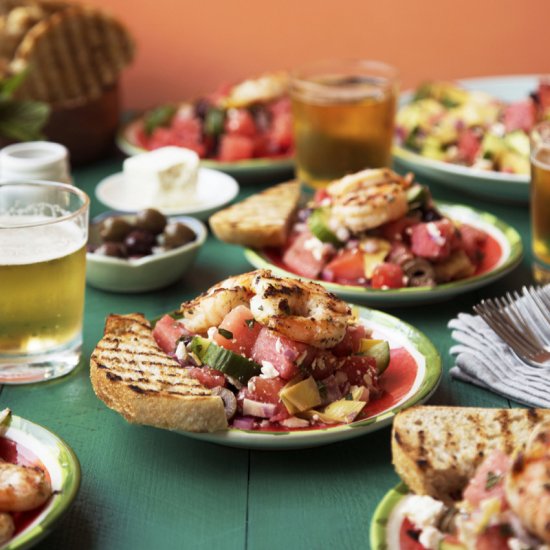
163, 177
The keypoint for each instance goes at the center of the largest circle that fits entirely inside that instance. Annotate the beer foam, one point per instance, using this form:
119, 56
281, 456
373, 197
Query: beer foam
39, 243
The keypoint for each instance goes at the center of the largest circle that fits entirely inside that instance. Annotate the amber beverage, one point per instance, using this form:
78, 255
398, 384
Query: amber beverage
343, 118
43, 233
540, 201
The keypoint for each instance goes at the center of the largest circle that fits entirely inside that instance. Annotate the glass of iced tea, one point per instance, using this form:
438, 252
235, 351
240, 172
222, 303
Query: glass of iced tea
343, 118
43, 234
540, 201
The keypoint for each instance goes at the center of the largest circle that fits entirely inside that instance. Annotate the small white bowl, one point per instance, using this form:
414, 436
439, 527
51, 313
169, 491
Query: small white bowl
149, 272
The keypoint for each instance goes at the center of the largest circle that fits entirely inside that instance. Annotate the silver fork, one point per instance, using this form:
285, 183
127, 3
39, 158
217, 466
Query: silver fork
522, 322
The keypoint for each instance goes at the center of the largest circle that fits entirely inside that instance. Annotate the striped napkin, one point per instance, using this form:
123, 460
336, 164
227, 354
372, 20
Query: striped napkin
484, 359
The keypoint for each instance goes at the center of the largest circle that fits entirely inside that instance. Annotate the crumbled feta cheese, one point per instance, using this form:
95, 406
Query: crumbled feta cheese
423, 511
435, 234
268, 370
278, 345
430, 537
211, 332
316, 247
342, 234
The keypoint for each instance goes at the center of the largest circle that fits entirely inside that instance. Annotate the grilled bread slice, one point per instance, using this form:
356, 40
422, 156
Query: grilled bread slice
436, 450
260, 220
134, 377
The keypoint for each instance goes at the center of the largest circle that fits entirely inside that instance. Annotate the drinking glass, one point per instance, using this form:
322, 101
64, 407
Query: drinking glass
43, 234
540, 201
343, 114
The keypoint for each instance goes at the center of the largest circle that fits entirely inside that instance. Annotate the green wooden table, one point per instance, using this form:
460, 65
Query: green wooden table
145, 488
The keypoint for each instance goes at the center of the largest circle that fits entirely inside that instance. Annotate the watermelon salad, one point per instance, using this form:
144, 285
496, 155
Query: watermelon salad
245, 121
446, 122
482, 520
378, 230
272, 382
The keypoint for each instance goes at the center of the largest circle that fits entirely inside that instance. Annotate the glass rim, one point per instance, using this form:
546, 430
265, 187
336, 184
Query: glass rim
71, 189
387, 72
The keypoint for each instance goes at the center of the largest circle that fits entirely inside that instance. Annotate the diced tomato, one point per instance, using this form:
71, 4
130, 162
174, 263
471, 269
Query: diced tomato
347, 267
243, 330
265, 390
320, 196
493, 538
240, 122
303, 260
473, 242
396, 230
281, 413
286, 355
184, 132
469, 144
408, 537
323, 364
357, 366
433, 240
167, 332
488, 481
280, 106
211, 378
520, 116
351, 342
235, 147
386, 275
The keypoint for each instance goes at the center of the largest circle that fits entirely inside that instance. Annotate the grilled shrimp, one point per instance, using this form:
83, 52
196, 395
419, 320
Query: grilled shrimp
303, 311
528, 483
22, 487
368, 199
209, 309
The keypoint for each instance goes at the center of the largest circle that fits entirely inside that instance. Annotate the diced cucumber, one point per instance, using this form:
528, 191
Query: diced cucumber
380, 350
230, 363
318, 225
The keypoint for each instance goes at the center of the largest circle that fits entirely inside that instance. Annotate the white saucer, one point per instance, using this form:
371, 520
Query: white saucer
214, 190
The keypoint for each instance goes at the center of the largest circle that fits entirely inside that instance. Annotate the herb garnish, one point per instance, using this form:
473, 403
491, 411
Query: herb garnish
492, 480
226, 333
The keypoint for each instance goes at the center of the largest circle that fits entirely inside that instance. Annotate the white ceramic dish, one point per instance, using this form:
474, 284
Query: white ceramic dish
149, 272
214, 190
399, 393
64, 471
487, 184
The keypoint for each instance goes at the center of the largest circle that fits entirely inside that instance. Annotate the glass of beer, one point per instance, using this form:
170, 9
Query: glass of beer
43, 234
343, 114
540, 201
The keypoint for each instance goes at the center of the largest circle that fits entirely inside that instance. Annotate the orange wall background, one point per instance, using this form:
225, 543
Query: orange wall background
185, 47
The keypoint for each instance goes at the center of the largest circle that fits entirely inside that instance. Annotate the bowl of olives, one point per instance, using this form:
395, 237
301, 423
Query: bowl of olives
141, 252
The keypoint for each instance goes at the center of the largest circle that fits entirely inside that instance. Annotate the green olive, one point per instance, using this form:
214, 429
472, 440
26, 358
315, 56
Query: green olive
177, 234
114, 229
151, 220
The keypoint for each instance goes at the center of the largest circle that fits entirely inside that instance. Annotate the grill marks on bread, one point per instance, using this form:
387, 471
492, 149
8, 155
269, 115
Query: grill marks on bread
134, 377
436, 450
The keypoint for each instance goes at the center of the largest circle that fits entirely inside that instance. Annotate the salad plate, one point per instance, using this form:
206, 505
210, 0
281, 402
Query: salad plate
257, 169
411, 377
62, 465
384, 527
503, 255
214, 190
483, 183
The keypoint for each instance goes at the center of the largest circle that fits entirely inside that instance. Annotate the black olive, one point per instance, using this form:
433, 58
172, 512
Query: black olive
139, 242
229, 401
114, 229
116, 250
177, 234
419, 272
151, 220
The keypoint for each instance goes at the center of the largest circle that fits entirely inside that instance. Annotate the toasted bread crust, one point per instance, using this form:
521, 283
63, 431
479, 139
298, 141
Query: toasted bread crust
261, 220
134, 377
436, 450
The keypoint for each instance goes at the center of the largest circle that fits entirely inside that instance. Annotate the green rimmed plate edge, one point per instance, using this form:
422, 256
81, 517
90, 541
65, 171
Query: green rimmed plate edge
378, 533
70, 482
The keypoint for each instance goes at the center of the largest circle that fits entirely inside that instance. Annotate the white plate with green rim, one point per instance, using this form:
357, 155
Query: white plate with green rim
257, 169
411, 378
383, 535
64, 471
488, 184
505, 236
